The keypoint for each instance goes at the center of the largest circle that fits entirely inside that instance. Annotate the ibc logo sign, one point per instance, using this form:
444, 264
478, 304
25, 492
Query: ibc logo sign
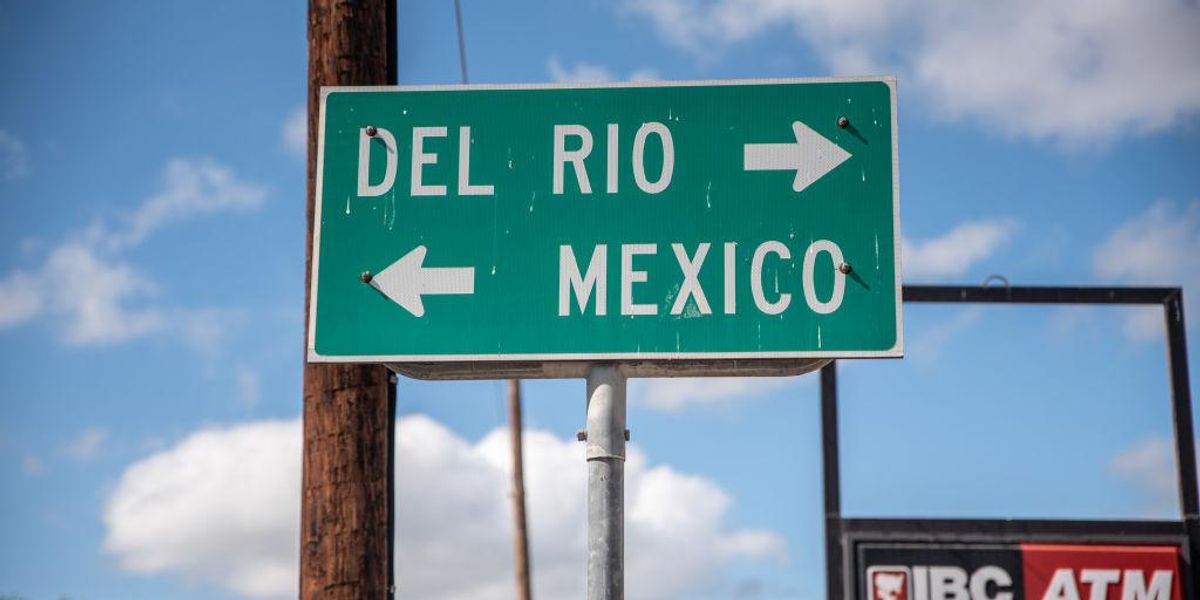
908, 571
888, 583
941, 582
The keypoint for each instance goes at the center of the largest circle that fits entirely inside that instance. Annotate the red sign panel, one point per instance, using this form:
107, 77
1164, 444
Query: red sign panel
1078, 572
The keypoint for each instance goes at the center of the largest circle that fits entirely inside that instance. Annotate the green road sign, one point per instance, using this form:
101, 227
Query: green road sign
635, 222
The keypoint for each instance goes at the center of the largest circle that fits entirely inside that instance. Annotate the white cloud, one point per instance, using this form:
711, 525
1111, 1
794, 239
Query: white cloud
1149, 466
20, 298
101, 298
926, 345
955, 252
580, 73
14, 157
33, 466
1077, 69
583, 72
222, 507
295, 133
91, 293
1074, 70
94, 296
1158, 247
644, 74
204, 329
1146, 323
1066, 322
703, 26
87, 444
191, 188
677, 394
249, 387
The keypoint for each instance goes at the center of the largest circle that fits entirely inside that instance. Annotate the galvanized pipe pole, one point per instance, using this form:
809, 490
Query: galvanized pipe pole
606, 482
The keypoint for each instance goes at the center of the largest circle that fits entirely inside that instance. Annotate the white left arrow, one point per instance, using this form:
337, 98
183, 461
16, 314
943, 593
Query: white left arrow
405, 281
811, 156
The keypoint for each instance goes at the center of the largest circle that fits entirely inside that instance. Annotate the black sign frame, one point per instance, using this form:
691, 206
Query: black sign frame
842, 535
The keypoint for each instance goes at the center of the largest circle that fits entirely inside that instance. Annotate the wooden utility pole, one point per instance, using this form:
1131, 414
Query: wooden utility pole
520, 531
347, 507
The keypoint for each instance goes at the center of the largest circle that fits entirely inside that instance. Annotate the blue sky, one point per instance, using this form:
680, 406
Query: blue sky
151, 285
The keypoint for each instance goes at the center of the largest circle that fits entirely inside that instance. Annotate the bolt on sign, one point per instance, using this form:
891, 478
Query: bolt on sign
710, 221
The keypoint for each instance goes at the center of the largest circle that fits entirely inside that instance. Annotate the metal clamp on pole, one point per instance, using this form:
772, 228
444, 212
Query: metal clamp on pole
606, 482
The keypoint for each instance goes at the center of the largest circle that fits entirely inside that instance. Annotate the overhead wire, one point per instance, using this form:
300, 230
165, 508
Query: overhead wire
462, 43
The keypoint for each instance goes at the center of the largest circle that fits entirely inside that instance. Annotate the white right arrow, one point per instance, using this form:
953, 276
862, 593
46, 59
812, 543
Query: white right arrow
811, 156
405, 281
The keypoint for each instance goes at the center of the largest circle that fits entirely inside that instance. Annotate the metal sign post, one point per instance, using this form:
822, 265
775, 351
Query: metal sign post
605, 437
